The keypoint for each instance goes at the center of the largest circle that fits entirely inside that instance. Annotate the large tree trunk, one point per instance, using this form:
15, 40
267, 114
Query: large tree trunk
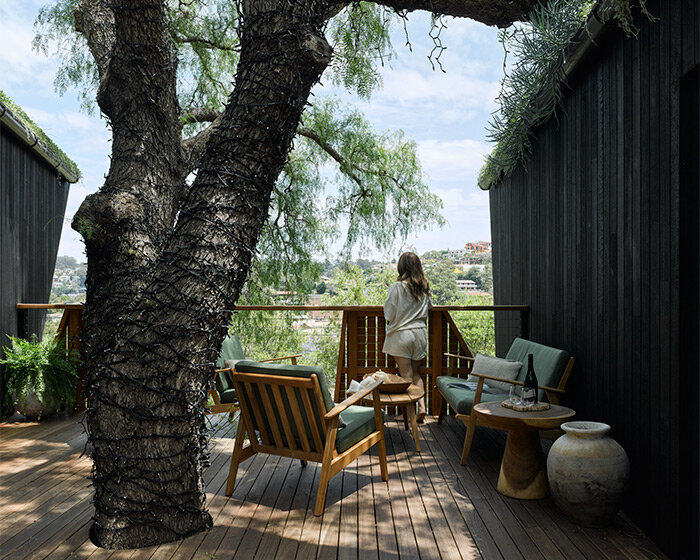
166, 262
160, 292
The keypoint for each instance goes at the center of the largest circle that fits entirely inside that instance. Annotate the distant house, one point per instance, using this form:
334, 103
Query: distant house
35, 177
455, 255
599, 234
478, 247
467, 286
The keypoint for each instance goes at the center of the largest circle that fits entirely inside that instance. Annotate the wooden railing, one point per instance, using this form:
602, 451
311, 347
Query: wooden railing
361, 340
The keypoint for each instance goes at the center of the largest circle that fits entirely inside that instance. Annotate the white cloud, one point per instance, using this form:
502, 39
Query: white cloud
455, 161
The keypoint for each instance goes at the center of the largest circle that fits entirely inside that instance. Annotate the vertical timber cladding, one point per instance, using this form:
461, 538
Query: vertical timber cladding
32, 207
589, 234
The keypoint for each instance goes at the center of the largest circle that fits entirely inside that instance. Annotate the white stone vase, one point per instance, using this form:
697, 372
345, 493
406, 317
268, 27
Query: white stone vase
32, 408
588, 473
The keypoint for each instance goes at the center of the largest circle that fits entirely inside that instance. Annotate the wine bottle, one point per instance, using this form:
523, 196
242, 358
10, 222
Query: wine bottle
530, 388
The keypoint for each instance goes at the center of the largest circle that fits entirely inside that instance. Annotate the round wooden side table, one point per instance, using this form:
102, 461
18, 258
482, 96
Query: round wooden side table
523, 474
405, 400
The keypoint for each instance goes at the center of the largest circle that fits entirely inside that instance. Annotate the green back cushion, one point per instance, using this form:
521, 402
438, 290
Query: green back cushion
248, 366
549, 363
356, 422
304, 371
230, 350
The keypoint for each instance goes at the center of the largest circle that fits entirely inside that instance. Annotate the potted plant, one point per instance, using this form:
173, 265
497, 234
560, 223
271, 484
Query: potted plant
40, 376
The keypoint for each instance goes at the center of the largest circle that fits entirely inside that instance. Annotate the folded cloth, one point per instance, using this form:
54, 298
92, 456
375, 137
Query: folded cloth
355, 386
471, 386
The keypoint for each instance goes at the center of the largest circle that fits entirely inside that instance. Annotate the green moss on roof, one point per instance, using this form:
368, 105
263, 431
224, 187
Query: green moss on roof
48, 144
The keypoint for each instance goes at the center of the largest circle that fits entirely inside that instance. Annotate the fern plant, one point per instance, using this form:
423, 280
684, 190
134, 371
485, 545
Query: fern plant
43, 367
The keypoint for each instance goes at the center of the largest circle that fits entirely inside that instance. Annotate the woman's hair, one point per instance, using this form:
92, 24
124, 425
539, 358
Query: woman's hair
411, 271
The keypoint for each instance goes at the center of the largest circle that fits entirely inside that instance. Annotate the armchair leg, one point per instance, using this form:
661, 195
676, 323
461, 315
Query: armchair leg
381, 451
304, 462
469, 436
326, 466
322, 488
236, 458
443, 410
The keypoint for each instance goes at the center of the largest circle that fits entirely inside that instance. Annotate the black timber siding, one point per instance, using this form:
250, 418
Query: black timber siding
32, 207
598, 234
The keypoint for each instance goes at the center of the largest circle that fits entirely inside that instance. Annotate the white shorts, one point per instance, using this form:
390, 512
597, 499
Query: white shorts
411, 343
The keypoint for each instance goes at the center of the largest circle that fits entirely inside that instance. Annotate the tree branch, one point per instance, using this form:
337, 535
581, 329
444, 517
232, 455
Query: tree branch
326, 147
207, 43
489, 12
346, 166
198, 115
94, 19
193, 147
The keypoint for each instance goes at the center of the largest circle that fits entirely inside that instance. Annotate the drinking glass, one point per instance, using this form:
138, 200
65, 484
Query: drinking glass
514, 394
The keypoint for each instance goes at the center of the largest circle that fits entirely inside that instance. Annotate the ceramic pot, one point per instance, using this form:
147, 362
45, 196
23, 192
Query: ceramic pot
588, 473
32, 408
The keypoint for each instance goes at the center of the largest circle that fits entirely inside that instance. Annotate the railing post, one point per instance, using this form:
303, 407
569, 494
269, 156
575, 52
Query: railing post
76, 323
352, 346
436, 362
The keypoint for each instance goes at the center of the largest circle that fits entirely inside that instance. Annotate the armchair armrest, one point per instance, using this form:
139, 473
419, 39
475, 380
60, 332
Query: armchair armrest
449, 371
351, 400
514, 382
468, 358
292, 357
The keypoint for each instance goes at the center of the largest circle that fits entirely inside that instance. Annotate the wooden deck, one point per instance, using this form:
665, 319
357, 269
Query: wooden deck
431, 507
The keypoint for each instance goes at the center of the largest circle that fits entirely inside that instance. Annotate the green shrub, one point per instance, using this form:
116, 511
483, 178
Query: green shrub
43, 366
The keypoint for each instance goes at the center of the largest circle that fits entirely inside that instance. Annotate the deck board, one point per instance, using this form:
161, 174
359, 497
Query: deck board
431, 507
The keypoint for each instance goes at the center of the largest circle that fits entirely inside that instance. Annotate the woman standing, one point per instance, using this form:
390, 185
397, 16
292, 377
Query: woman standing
406, 313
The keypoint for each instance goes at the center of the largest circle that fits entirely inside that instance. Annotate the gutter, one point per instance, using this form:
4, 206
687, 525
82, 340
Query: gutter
32, 140
586, 37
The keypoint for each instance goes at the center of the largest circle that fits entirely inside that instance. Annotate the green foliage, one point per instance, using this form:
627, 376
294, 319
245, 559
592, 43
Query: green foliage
443, 282
204, 38
381, 194
64, 261
352, 287
531, 90
28, 123
359, 35
87, 229
43, 367
55, 34
622, 12
477, 327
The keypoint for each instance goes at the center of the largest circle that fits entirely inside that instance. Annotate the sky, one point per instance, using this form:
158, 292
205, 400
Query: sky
446, 113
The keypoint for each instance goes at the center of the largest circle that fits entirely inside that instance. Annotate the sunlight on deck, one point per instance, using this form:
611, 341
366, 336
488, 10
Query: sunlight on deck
431, 507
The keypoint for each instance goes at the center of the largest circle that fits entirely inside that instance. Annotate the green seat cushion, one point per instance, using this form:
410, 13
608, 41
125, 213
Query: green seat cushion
359, 423
223, 382
461, 399
549, 363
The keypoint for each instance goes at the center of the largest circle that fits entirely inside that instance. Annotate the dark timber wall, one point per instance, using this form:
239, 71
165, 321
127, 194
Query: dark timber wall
32, 206
598, 233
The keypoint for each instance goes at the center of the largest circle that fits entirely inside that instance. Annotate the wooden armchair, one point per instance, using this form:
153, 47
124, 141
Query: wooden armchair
552, 366
222, 391
288, 411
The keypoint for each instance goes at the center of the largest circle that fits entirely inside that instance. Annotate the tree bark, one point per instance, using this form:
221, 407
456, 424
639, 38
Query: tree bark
166, 262
158, 317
